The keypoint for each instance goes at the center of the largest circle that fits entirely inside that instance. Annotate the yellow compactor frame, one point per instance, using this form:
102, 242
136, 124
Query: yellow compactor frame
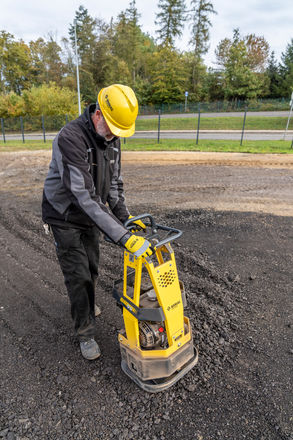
158, 368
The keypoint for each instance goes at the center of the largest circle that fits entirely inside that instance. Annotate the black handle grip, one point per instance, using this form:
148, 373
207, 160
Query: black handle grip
155, 228
177, 234
140, 217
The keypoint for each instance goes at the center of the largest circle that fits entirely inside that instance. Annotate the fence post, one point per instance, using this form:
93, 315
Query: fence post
3, 130
43, 127
198, 122
292, 143
21, 128
159, 126
124, 141
291, 107
242, 134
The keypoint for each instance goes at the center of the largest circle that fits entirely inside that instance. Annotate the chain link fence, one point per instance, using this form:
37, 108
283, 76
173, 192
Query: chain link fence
202, 121
236, 105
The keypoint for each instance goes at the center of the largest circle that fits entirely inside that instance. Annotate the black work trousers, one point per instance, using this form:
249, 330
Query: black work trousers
78, 254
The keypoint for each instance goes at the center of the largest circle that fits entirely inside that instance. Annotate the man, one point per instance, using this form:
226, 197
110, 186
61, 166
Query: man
83, 195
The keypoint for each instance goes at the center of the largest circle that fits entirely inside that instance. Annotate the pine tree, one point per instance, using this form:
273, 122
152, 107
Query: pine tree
132, 17
274, 77
287, 57
200, 12
130, 44
170, 20
168, 76
86, 36
85, 31
286, 71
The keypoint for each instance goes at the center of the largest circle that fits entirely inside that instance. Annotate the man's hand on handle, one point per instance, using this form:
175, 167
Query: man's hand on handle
139, 223
138, 246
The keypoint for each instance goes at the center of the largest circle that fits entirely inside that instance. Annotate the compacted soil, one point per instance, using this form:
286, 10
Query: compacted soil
235, 259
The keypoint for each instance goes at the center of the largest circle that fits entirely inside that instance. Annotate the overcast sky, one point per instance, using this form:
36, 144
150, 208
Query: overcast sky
272, 19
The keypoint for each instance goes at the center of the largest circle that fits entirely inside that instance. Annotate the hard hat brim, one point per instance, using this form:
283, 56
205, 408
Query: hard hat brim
119, 132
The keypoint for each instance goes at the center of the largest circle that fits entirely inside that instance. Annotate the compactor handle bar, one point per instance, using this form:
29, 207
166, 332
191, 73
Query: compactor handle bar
176, 233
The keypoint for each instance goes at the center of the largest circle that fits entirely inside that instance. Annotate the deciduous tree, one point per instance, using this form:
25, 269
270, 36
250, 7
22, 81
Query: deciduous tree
244, 76
47, 62
11, 105
256, 48
50, 99
16, 64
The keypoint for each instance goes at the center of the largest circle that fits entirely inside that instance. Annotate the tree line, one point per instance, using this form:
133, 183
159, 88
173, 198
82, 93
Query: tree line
40, 77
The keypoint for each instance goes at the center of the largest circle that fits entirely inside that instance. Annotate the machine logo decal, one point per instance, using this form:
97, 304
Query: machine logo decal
173, 306
108, 103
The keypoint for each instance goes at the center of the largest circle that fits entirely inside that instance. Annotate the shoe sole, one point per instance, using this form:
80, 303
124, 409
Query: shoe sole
91, 358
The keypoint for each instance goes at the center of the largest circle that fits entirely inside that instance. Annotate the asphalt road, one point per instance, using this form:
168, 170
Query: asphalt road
217, 134
191, 134
180, 134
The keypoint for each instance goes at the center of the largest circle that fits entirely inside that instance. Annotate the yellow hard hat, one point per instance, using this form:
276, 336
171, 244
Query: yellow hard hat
119, 106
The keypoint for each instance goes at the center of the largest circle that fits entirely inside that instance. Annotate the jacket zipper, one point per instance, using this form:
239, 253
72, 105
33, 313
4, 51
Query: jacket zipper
103, 174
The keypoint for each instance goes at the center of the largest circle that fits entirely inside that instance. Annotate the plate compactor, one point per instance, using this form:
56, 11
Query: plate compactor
156, 344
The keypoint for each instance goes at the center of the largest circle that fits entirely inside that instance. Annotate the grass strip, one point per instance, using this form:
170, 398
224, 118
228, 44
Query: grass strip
233, 146
27, 146
172, 145
225, 123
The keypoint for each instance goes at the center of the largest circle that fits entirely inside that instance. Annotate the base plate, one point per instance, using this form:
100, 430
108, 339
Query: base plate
156, 385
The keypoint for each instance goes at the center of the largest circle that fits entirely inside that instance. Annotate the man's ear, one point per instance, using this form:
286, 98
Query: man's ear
98, 114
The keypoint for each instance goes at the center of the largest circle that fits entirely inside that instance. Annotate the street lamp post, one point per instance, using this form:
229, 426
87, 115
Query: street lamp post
77, 70
185, 107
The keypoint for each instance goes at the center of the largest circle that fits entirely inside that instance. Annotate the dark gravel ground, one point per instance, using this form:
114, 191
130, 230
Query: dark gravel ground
237, 271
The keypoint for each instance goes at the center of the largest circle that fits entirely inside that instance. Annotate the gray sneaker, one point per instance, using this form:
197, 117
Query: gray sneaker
97, 310
90, 349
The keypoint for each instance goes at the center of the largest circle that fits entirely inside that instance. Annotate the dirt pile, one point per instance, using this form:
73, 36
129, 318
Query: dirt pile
237, 271
212, 308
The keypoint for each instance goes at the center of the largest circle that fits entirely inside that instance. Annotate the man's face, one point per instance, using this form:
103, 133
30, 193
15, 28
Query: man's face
102, 128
